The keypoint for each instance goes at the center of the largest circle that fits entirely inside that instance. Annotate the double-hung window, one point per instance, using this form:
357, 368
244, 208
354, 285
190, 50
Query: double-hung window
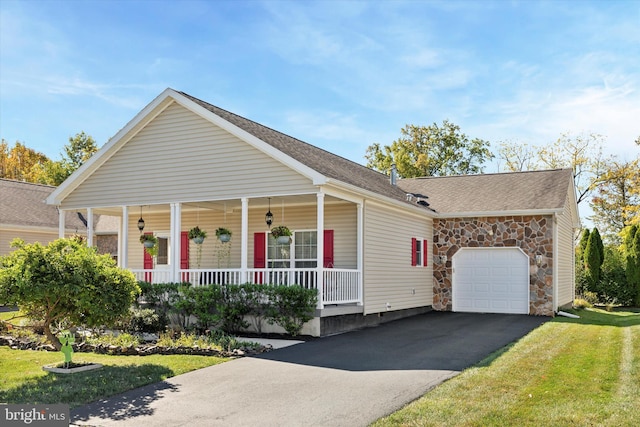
419, 252
302, 252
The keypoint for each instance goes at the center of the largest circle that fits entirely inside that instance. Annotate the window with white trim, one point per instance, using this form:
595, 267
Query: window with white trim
302, 252
419, 252
163, 251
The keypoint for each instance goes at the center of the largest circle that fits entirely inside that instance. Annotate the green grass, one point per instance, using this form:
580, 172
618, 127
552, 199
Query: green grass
568, 372
24, 381
7, 315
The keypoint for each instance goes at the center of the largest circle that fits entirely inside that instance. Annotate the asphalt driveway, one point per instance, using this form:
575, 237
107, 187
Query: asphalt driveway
350, 379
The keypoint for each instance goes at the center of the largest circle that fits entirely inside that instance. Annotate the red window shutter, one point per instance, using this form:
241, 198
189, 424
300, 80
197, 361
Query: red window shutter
414, 259
328, 249
184, 254
259, 245
259, 255
425, 252
147, 263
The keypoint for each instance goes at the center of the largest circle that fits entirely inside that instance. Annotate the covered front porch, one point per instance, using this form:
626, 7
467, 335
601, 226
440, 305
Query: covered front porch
334, 285
324, 252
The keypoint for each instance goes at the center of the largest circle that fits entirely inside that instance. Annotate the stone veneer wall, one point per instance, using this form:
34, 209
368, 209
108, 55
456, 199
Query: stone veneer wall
533, 234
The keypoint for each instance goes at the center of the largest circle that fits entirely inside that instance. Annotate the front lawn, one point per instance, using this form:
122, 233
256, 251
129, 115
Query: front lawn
24, 381
568, 372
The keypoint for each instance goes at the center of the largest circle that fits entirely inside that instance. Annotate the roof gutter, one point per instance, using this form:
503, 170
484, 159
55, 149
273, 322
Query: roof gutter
379, 197
520, 212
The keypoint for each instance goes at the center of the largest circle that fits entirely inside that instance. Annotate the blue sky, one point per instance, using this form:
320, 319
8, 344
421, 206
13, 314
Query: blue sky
337, 74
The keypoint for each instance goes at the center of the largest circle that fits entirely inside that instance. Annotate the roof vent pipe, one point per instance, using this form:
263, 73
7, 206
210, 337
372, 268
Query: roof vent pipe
394, 174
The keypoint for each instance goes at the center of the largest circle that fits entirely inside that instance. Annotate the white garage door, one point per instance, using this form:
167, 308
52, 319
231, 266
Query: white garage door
491, 280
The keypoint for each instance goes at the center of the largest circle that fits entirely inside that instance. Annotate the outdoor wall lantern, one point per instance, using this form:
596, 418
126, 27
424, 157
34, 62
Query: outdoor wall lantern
268, 218
538, 260
141, 221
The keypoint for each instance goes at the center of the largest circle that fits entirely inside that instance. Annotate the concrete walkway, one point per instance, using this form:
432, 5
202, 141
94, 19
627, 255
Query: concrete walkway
344, 380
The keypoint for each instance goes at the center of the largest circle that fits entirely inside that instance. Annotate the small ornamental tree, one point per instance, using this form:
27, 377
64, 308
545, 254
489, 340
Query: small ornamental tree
65, 282
593, 258
582, 246
632, 243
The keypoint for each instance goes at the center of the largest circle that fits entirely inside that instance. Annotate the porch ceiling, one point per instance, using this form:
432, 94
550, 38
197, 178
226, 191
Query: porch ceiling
221, 205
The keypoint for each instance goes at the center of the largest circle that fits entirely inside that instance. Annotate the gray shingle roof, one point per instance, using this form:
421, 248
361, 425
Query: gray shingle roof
23, 204
324, 162
466, 193
516, 191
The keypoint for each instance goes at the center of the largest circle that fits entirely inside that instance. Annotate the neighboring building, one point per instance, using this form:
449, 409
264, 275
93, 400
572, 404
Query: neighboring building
375, 248
24, 214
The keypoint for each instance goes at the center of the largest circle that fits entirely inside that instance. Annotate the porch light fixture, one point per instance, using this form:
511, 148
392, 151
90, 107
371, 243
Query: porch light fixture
538, 260
268, 218
141, 221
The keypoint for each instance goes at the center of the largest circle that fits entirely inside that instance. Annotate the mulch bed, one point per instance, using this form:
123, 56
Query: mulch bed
139, 350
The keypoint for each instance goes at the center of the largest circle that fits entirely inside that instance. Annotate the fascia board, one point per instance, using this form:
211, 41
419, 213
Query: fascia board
380, 198
577, 223
107, 150
313, 175
33, 228
524, 212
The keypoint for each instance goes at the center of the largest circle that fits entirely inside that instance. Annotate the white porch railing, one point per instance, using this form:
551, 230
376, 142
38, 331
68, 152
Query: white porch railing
340, 286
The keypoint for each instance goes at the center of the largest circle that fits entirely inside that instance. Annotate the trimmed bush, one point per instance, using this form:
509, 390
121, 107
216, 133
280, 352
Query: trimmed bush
291, 307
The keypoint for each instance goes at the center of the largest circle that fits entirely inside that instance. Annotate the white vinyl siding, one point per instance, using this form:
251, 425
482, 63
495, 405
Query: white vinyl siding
389, 277
179, 156
566, 257
42, 235
7, 235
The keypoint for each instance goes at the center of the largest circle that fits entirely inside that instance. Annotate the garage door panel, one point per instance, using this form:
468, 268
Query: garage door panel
491, 280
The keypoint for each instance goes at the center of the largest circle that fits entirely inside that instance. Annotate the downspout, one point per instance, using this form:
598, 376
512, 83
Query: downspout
555, 263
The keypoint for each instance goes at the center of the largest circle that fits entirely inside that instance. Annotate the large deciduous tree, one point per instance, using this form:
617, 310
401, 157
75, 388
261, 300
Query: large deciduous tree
430, 151
20, 162
616, 203
25, 164
65, 283
582, 153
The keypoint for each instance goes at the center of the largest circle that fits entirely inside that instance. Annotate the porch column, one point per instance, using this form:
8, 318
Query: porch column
89, 227
360, 234
244, 241
320, 249
123, 238
61, 224
176, 221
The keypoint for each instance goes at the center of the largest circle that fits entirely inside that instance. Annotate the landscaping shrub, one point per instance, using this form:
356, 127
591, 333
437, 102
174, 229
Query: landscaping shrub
225, 307
257, 298
142, 320
291, 307
233, 308
206, 300
581, 303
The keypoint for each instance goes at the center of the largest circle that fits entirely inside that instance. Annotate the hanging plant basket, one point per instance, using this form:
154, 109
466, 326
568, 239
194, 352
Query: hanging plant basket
283, 240
197, 235
223, 234
148, 240
282, 234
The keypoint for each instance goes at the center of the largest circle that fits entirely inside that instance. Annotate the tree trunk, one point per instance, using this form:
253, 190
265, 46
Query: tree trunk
53, 340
